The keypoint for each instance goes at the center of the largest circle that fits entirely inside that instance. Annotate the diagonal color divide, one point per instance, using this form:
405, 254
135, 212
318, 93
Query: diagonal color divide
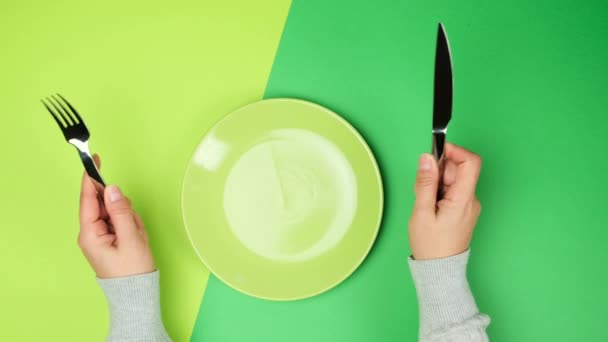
325, 57
541, 231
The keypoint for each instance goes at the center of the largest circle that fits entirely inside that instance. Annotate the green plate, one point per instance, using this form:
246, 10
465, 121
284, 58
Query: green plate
282, 199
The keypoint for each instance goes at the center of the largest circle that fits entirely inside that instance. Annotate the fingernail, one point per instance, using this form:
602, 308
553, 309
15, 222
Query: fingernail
425, 162
115, 193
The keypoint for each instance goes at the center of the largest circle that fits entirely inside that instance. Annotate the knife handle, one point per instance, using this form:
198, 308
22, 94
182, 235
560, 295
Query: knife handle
438, 152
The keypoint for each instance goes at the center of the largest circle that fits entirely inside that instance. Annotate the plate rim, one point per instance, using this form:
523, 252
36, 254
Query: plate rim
377, 225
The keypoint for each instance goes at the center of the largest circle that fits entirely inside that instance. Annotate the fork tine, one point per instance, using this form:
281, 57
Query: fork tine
72, 108
65, 110
53, 115
63, 115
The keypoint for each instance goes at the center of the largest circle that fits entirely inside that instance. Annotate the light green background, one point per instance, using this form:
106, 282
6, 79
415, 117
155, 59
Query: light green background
530, 82
148, 78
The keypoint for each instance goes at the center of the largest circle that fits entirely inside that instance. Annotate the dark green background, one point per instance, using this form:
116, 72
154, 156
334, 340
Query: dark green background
530, 83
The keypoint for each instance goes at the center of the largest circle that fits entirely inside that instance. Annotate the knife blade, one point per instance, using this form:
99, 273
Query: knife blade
442, 100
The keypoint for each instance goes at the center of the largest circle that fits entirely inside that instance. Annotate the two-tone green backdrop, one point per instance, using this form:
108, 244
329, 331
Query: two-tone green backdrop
151, 77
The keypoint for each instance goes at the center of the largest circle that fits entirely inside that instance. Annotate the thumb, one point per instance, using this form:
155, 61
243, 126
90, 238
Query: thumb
121, 214
427, 181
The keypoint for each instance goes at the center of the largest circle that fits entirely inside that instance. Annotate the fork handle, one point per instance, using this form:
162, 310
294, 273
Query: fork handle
92, 171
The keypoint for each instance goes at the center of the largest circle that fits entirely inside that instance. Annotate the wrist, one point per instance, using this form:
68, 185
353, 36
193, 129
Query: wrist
110, 274
435, 255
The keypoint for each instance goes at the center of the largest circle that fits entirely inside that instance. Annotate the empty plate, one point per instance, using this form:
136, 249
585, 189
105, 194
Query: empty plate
282, 199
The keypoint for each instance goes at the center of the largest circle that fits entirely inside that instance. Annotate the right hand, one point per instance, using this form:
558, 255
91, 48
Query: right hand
442, 229
112, 235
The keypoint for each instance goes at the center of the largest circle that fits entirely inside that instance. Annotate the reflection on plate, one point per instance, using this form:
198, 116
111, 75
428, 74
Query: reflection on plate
297, 190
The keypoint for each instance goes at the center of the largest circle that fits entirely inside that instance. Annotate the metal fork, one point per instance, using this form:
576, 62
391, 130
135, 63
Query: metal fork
76, 133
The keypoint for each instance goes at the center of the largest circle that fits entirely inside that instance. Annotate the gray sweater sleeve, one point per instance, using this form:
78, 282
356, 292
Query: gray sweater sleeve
447, 308
134, 303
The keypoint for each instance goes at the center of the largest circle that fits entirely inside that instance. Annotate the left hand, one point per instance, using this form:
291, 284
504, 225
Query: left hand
112, 235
